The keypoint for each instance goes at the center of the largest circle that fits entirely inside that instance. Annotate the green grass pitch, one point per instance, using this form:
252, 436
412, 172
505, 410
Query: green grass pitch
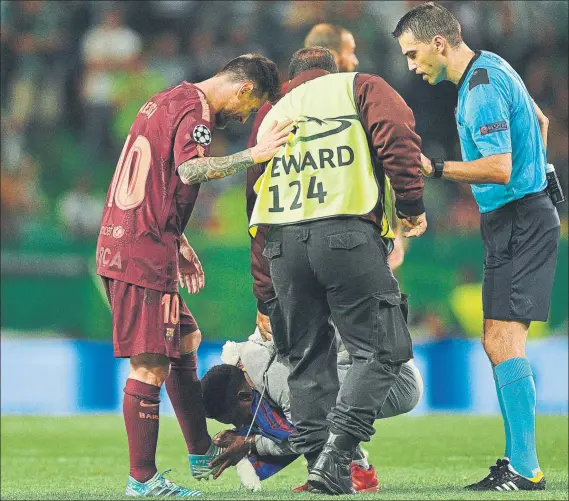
417, 457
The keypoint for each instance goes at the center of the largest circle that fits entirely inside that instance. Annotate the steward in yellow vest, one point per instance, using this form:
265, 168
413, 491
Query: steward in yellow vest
327, 254
325, 169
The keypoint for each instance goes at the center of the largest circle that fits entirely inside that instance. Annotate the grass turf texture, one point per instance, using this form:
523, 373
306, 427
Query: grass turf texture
422, 457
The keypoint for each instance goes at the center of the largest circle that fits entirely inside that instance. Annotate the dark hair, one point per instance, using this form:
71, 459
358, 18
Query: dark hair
311, 58
258, 69
220, 387
429, 20
326, 35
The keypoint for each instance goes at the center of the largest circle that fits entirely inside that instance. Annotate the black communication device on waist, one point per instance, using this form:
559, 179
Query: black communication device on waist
553, 189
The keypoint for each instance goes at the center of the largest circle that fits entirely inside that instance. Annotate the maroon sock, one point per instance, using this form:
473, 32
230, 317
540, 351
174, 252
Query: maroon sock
141, 417
185, 392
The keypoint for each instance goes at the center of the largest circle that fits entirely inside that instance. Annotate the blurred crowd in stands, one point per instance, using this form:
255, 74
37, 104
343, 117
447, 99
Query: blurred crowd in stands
75, 73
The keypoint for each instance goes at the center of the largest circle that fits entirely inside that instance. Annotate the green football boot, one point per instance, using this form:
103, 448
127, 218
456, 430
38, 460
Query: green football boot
199, 463
158, 486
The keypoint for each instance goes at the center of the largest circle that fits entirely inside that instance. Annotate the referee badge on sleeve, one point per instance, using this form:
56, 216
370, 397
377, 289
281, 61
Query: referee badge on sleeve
493, 127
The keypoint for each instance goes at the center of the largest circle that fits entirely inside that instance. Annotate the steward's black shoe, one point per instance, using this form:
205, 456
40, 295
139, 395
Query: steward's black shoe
503, 478
331, 473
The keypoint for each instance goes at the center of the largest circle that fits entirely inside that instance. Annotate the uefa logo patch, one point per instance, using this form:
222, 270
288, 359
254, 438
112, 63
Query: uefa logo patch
202, 135
493, 127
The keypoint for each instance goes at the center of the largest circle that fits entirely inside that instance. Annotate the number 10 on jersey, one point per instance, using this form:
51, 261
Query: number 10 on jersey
129, 182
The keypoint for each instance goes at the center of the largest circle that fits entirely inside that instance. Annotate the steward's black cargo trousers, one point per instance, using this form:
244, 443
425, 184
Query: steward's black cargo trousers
335, 267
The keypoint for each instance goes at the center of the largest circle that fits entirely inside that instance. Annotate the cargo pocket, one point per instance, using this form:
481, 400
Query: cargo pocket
272, 249
347, 241
393, 337
404, 306
280, 336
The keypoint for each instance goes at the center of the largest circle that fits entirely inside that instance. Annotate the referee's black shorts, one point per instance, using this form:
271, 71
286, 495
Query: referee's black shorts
520, 254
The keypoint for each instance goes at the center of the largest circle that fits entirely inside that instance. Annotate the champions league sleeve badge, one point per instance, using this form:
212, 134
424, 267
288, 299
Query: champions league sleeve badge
202, 135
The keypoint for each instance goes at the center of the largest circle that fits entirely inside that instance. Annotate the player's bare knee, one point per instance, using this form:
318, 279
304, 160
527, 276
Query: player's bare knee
150, 368
190, 342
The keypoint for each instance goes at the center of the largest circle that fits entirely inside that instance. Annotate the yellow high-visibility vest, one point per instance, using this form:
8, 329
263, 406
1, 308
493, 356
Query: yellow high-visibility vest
388, 222
325, 169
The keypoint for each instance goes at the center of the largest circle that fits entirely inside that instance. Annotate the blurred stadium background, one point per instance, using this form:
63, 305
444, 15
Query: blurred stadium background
74, 75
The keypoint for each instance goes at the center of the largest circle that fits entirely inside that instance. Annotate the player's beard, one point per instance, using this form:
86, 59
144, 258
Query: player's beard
221, 120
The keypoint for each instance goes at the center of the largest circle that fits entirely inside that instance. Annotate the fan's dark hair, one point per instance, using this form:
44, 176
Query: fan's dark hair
220, 388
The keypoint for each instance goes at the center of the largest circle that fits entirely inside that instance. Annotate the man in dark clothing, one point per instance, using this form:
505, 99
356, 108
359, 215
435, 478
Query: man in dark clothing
341, 43
323, 202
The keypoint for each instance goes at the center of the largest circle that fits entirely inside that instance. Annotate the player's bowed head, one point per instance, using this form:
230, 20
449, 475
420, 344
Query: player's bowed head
241, 88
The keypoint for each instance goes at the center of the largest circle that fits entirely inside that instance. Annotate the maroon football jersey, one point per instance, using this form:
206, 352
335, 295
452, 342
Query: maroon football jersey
148, 206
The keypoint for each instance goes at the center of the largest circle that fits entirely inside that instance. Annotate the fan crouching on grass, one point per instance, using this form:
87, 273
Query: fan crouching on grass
250, 392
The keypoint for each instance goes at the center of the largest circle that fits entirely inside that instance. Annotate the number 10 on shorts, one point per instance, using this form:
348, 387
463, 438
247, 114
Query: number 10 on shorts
171, 308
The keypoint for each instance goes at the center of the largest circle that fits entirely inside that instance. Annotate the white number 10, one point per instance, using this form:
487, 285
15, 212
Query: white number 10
129, 181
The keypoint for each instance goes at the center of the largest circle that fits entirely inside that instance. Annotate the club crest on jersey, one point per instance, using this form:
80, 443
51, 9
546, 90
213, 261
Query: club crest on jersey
118, 232
201, 135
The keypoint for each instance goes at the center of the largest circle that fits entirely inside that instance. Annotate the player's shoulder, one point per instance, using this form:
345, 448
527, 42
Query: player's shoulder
182, 99
182, 91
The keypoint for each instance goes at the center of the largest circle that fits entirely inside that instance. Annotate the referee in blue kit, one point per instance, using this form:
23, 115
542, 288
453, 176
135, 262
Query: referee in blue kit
503, 139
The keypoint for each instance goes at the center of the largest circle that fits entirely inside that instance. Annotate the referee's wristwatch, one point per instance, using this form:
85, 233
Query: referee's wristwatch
438, 165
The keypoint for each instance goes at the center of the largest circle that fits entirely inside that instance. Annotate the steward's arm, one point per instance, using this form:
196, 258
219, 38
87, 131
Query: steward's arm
390, 126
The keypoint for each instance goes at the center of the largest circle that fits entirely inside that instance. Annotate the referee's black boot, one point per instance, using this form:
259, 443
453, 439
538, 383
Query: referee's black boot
331, 473
503, 478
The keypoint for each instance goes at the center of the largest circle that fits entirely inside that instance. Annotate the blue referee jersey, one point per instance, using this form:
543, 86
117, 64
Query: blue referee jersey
495, 114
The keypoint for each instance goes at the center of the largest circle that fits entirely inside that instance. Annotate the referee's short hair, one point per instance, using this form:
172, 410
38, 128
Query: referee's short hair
220, 389
311, 58
428, 20
258, 69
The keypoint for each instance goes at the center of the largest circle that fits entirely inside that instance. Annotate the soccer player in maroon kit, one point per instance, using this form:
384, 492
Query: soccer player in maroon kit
142, 252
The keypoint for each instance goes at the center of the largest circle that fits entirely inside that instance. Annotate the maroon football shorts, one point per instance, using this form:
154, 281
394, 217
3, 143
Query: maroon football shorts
147, 320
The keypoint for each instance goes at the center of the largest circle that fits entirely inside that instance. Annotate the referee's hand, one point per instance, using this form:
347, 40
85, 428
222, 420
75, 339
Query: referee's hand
415, 225
264, 325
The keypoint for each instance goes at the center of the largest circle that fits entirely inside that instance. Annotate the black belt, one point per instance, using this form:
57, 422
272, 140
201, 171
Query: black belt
531, 195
